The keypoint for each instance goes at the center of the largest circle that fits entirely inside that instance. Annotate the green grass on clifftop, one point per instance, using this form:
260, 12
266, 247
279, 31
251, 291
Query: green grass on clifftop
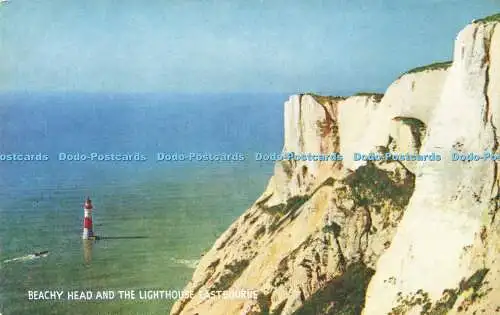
433, 66
377, 96
491, 18
322, 99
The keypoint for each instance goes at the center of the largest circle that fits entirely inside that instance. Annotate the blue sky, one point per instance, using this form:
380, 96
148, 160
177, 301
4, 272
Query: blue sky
199, 46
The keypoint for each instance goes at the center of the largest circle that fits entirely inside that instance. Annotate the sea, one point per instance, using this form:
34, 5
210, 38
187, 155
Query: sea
155, 219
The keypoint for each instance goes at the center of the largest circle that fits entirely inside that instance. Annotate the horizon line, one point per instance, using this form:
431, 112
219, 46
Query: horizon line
186, 93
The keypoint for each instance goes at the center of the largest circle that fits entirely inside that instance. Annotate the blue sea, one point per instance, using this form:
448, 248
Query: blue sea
155, 217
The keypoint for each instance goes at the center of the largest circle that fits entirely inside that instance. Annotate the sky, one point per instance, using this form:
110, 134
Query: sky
216, 46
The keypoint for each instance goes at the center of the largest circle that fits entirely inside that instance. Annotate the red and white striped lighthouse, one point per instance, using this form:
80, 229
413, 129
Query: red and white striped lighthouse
88, 233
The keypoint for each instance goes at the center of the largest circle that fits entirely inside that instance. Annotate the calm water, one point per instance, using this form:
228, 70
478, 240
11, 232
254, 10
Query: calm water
158, 217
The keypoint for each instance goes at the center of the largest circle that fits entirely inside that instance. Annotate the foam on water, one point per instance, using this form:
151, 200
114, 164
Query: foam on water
25, 258
190, 263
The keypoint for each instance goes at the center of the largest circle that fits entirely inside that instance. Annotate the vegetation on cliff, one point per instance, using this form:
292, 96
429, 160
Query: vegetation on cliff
470, 287
323, 99
491, 18
377, 96
344, 295
380, 189
433, 66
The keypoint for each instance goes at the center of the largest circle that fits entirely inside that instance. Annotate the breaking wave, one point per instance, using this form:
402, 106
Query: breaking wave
190, 263
25, 258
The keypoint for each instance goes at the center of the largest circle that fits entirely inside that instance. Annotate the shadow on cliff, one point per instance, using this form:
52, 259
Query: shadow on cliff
290, 210
344, 295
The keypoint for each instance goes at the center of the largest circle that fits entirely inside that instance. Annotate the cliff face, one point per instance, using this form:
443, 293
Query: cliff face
448, 233
407, 237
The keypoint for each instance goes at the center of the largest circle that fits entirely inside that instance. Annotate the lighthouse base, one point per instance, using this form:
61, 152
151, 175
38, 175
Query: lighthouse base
88, 233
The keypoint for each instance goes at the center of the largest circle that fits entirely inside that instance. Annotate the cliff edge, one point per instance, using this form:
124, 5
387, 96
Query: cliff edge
379, 236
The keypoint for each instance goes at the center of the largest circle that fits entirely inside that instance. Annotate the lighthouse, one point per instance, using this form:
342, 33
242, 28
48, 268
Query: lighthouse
88, 233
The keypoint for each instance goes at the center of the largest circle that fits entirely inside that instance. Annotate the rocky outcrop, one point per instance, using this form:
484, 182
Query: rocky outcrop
408, 237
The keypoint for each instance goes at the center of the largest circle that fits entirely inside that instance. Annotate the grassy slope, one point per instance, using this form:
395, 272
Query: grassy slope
491, 18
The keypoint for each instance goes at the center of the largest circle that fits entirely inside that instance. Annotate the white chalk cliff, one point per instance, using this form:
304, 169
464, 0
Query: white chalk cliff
375, 237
